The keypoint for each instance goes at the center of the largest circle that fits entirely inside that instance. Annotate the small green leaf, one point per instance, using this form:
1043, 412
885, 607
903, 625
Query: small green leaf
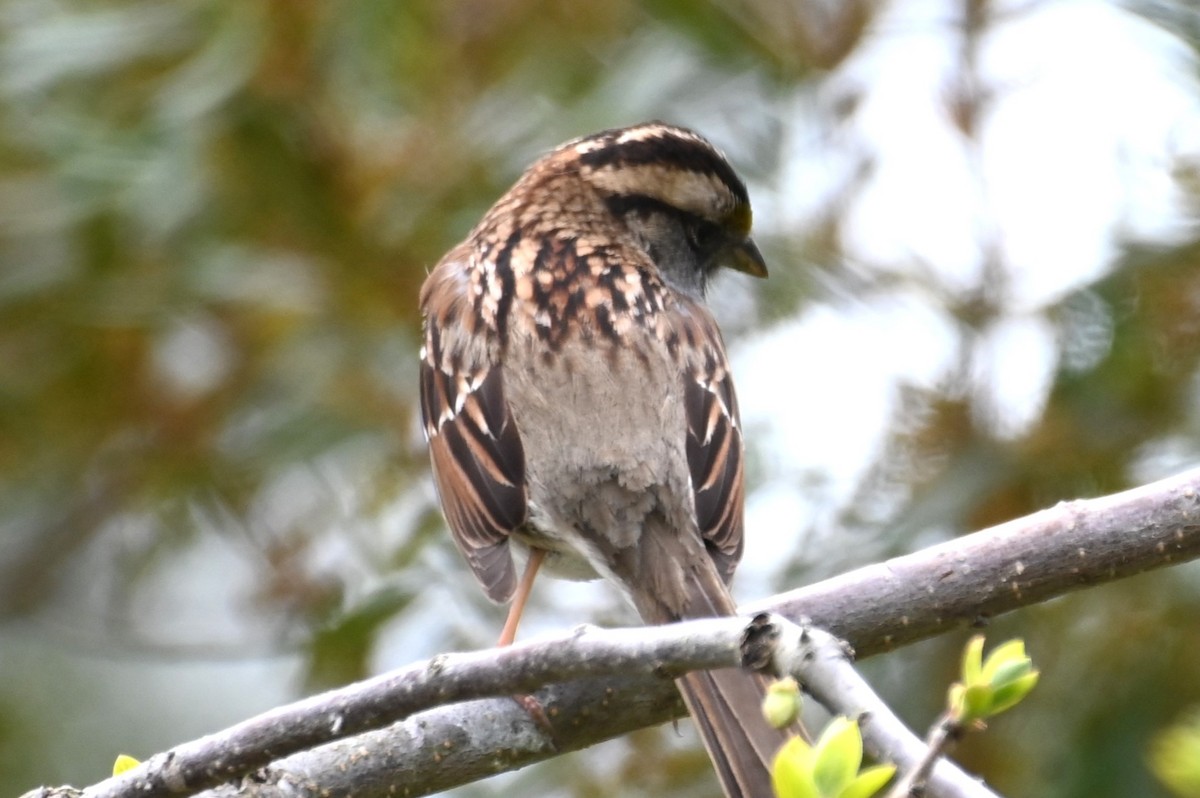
1007, 652
957, 701
977, 703
791, 773
1003, 679
972, 664
1009, 695
838, 756
781, 706
1010, 672
869, 782
123, 763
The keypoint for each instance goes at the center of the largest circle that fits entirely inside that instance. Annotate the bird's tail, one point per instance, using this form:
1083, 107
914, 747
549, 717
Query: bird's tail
726, 706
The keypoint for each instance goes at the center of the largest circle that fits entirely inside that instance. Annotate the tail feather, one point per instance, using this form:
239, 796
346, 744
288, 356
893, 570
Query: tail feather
726, 704
726, 707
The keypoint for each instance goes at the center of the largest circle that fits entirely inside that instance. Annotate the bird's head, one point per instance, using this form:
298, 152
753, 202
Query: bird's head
678, 196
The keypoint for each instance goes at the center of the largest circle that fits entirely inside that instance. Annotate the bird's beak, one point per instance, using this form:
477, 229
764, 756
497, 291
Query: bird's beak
745, 257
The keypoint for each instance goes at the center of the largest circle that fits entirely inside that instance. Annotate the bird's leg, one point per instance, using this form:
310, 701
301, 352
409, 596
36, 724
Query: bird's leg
531, 705
524, 588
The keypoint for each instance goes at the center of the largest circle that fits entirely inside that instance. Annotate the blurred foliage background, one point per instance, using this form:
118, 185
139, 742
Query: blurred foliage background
215, 216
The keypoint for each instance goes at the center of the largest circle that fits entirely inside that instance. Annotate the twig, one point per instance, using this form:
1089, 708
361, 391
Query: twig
943, 733
822, 664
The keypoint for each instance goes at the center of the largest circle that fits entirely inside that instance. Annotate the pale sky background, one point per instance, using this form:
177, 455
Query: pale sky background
1091, 106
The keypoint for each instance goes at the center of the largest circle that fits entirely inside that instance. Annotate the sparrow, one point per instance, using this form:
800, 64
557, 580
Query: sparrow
578, 402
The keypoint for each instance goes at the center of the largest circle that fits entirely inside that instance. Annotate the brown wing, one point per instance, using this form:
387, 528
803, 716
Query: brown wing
714, 451
478, 460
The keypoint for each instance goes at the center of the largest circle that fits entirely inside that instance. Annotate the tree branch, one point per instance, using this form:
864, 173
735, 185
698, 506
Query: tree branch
770, 643
651, 652
876, 608
968, 580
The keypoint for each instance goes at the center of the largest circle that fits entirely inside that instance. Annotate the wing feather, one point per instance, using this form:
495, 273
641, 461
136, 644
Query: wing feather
475, 447
715, 454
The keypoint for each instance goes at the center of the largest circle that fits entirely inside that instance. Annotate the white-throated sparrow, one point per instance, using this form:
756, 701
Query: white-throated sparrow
577, 396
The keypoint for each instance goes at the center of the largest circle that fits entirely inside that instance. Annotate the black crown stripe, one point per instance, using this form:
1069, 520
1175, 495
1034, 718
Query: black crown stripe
669, 149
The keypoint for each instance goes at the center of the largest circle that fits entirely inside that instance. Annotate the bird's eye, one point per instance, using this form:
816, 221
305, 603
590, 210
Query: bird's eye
703, 237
